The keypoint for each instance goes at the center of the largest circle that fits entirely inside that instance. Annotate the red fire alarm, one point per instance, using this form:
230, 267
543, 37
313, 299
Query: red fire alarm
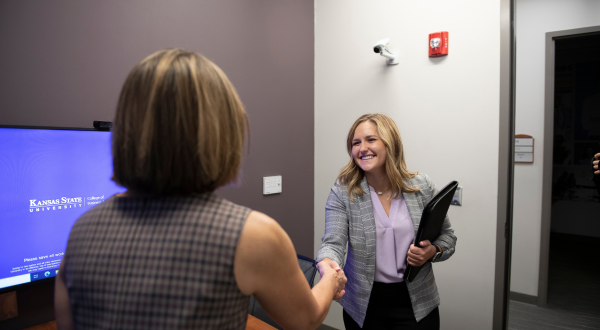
438, 44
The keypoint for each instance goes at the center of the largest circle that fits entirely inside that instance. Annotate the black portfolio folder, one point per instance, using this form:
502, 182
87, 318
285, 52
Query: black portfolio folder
431, 223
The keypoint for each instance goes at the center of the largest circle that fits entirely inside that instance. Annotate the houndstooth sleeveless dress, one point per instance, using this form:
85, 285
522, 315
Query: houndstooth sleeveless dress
156, 263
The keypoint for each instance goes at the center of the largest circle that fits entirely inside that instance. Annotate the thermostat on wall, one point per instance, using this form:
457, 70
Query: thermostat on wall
272, 185
457, 198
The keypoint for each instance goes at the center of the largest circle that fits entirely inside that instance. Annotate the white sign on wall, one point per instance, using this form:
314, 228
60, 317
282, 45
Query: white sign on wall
523, 148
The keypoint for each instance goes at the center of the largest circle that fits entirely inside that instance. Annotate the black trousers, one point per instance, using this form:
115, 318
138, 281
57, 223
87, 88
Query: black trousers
390, 308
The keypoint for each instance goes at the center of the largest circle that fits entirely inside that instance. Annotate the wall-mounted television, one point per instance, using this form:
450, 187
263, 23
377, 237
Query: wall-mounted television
48, 178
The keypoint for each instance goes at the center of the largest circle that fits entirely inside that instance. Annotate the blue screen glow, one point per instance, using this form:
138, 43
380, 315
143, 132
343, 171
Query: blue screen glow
48, 178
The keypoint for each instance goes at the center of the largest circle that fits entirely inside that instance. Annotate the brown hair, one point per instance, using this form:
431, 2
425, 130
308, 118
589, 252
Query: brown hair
180, 127
395, 165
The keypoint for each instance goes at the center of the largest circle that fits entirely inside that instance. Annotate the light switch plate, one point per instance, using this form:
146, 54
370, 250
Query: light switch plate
272, 185
457, 198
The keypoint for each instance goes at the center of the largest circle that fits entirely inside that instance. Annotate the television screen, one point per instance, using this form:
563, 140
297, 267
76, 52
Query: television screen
48, 178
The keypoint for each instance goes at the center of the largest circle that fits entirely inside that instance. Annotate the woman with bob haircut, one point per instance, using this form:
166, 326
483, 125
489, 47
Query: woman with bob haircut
168, 253
375, 208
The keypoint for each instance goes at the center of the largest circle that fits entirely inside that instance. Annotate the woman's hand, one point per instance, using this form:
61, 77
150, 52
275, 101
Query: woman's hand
417, 256
330, 262
596, 165
328, 267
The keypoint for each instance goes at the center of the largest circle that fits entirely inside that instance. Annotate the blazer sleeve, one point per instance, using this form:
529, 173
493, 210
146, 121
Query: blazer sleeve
333, 243
447, 239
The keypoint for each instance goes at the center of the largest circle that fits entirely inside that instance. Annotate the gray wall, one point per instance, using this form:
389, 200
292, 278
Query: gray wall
63, 63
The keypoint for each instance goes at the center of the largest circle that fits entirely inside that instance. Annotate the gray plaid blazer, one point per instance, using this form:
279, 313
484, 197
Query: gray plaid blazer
353, 224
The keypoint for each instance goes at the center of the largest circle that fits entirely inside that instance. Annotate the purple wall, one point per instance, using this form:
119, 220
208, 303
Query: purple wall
63, 63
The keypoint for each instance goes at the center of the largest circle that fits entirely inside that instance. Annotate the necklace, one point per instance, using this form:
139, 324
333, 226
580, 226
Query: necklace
381, 192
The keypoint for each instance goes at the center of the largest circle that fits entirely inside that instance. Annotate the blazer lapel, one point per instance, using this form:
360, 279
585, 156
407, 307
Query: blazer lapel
414, 207
370, 232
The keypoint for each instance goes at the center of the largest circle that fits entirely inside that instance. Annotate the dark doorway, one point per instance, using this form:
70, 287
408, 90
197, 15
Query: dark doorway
573, 276
569, 289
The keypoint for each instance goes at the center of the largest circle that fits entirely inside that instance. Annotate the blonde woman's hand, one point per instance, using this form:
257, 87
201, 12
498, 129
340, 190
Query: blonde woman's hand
417, 256
596, 166
331, 263
330, 270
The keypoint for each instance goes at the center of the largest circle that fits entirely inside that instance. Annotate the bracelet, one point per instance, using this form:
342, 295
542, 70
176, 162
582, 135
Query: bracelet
438, 253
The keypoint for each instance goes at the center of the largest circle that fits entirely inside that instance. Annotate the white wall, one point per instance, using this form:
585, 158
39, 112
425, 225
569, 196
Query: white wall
447, 110
534, 19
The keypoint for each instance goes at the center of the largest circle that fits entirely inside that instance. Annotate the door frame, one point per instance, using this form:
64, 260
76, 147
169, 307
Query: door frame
542, 296
505, 165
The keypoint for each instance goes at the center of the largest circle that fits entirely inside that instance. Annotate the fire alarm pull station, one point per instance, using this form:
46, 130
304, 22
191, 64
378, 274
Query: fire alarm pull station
438, 44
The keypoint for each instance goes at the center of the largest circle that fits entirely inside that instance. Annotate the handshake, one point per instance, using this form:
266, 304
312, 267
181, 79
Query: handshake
332, 273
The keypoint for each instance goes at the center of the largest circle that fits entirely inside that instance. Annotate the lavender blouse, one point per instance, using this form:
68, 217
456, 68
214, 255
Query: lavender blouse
395, 234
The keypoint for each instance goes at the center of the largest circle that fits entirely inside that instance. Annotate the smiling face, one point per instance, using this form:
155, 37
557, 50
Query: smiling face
368, 150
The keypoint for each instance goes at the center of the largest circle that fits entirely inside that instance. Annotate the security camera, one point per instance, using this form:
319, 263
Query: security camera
381, 49
381, 45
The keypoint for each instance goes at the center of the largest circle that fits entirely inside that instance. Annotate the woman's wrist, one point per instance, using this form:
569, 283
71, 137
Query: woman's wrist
436, 249
432, 252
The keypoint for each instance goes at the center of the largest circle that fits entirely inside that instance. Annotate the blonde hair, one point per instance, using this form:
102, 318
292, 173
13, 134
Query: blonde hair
395, 166
180, 127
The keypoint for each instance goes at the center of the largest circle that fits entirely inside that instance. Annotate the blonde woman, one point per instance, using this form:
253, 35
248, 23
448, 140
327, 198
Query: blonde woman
168, 253
374, 209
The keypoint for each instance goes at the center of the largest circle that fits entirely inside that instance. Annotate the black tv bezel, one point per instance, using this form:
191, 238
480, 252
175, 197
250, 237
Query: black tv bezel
54, 128
51, 279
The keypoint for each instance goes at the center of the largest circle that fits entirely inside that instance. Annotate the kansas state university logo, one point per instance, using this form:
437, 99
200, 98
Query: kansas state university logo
55, 204
63, 203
